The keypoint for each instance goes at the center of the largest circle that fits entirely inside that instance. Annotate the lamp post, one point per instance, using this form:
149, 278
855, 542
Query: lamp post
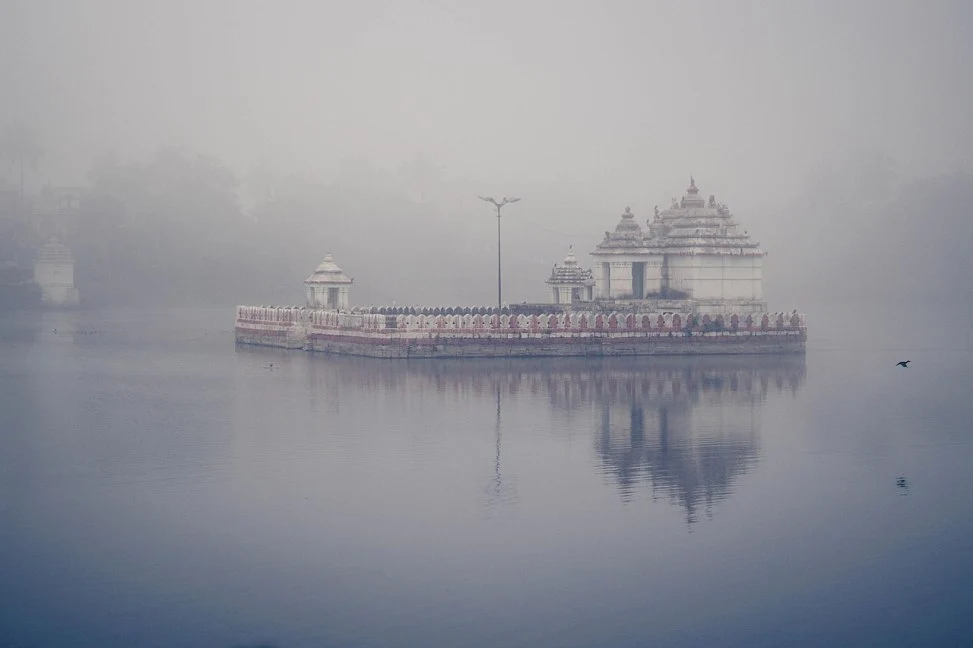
498, 205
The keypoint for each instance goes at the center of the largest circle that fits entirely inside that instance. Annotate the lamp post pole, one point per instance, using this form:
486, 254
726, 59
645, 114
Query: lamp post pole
498, 204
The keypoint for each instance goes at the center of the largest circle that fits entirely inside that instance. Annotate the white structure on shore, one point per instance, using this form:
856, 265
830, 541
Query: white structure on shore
327, 286
570, 283
692, 251
54, 273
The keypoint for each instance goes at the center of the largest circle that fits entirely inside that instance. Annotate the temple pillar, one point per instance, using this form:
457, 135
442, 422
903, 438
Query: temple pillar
603, 281
620, 283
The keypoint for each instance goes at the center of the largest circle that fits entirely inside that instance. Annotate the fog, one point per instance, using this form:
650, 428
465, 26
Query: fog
224, 147
170, 478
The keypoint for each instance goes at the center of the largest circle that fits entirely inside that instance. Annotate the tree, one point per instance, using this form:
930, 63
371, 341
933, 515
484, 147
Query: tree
169, 230
19, 145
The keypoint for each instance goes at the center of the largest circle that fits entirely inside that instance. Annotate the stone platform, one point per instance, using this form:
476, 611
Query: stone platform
557, 334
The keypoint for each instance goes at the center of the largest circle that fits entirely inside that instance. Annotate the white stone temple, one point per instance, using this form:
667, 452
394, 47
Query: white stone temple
692, 252
570, 283
687, 284
327, 286
54, 273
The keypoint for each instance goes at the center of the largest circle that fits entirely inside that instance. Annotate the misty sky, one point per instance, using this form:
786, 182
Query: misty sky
622, 97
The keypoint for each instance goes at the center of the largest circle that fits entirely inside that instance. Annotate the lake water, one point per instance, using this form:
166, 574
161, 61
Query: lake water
160, 487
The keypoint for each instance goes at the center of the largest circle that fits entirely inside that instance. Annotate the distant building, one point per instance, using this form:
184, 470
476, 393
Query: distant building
570, 283
694, 251
54, 273
328, 286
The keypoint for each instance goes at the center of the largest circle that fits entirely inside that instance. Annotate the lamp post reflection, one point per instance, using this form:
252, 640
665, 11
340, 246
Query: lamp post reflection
499, 481
500, 492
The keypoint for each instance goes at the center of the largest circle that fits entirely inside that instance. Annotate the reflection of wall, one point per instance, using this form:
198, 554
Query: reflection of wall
684, 428
568, 383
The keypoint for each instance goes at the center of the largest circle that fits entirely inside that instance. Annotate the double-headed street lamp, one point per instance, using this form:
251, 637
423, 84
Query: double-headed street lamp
498, 205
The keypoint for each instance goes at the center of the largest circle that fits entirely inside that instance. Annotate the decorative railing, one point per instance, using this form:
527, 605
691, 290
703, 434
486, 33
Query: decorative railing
575, 322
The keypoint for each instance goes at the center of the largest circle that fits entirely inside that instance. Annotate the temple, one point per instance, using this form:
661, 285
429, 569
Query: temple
689, 283
570, 284
692, 256
327, 286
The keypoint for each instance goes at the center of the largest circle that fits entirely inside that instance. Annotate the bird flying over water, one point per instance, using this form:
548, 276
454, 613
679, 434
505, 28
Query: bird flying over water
904, 363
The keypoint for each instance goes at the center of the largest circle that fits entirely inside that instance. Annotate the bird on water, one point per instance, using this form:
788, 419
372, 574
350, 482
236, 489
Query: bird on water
904, 363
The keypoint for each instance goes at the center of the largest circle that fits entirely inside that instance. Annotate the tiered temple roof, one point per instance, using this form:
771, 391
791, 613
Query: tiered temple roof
571, 274
697, 226
328, 273
627, 235
692, 225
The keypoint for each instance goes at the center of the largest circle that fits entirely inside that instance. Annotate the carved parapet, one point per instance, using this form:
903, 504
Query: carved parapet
557, 323
271, 314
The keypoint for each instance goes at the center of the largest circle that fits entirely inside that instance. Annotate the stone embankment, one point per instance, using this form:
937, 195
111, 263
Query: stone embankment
509, 335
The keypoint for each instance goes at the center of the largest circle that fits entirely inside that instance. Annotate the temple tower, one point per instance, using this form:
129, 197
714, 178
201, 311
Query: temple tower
327, 286
570, 283
627, 265
708, 257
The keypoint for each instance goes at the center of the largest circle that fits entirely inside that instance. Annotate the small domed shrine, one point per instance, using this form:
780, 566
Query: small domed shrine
570, 283
54, 273
692, 252
327, 286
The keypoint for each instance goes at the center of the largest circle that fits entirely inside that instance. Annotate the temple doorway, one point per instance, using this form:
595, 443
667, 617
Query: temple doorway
638, 280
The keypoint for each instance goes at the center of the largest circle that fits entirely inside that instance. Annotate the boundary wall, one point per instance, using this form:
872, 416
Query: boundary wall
575, 333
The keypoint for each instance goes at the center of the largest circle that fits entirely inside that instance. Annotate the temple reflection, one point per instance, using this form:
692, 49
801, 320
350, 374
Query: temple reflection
681, 430
684, 428
687, 431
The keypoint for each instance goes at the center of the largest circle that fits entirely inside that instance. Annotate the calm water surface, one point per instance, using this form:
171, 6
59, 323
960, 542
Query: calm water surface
159, 487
